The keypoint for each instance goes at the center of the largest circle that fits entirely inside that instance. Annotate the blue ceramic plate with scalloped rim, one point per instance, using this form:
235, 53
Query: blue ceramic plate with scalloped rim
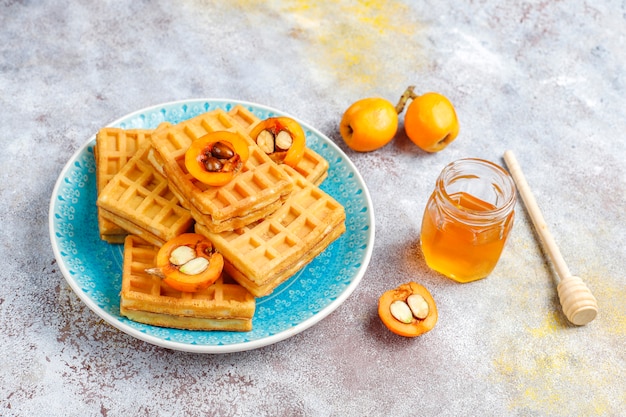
93, 267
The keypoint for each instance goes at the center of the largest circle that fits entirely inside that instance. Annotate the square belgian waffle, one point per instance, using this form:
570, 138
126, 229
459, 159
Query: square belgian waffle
312, 166
262, 255
114, 147
139, 200
145, 298
251, 195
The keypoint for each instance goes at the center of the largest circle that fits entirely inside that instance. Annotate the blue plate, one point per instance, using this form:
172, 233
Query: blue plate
93, 267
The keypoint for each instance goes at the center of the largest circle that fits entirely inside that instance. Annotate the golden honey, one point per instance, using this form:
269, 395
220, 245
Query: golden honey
467, 219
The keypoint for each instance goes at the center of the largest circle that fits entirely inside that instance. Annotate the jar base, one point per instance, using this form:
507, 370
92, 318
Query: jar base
461, 280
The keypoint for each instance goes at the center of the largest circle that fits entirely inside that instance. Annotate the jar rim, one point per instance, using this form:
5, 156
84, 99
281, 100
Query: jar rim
465, 168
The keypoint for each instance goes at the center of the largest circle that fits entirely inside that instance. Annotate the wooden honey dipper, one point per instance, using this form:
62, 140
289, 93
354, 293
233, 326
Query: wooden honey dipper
579, 304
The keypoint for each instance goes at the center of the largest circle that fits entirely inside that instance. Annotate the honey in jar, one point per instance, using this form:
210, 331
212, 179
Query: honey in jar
467, 219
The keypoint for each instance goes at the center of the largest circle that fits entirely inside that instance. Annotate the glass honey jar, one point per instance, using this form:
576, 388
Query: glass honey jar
467, 219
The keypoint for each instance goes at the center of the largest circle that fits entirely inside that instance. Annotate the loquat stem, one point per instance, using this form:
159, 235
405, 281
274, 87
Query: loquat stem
408, 94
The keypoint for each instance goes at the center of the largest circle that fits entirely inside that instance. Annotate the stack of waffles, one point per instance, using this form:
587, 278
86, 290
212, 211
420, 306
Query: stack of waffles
147, 299
268, 222
137, 199
115, 147
262, 255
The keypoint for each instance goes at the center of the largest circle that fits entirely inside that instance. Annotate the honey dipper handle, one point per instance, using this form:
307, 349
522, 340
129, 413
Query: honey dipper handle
579, 305
535, 214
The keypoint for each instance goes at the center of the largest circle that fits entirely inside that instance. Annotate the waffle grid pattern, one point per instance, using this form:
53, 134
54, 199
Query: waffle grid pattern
139, 194
147, 293
259, 184
114, 148
292, 235
312, 166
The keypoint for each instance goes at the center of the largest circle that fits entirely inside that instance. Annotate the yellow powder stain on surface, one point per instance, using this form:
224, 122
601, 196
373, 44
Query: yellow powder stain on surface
611, 296
553, 321
373, 42
372, 31
553, 381
552, 367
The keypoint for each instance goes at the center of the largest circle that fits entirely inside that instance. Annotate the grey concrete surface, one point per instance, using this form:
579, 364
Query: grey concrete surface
545, 79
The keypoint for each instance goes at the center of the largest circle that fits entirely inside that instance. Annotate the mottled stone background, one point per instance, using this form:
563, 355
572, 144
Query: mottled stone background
544, 78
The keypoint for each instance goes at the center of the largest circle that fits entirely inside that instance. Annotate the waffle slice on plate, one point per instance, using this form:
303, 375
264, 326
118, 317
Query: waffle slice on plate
312, 166
139, 200
263, 255
114, 147
146, 299
252, 194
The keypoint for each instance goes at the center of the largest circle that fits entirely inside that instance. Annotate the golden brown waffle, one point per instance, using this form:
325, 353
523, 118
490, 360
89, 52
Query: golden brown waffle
263, 255
313, 166
139, 200
203, 218
146, 299
244, 199
114, 147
